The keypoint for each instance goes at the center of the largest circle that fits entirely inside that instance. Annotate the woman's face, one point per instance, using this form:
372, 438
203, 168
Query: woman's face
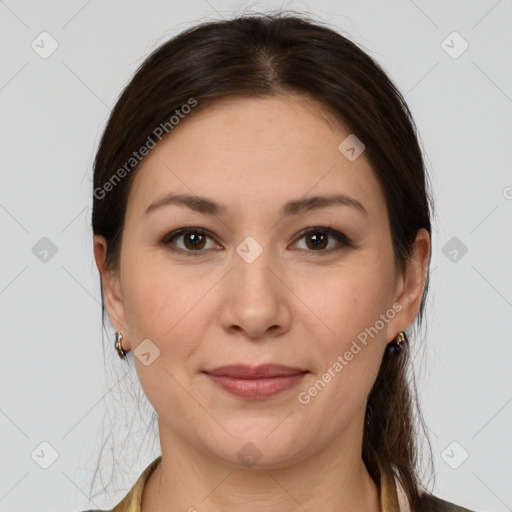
253, 287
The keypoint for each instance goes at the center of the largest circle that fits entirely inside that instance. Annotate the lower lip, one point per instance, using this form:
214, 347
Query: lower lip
257, 389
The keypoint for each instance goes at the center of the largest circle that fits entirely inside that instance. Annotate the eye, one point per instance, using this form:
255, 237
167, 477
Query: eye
195, 240
319, 237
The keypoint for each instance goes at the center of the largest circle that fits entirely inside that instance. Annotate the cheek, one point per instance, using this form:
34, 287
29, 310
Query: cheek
159, 306
351, 336
147, 295
349, 347
164, 304
349, 300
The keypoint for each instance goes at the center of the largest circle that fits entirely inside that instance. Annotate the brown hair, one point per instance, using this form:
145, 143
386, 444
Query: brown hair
262, 55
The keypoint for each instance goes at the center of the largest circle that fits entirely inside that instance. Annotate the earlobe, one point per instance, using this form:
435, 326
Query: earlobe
111, 289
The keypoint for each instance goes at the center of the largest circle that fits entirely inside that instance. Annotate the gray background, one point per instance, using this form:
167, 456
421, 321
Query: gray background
56, 386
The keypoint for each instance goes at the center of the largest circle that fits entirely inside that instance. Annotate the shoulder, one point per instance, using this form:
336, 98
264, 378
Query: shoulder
431, 503
428, 503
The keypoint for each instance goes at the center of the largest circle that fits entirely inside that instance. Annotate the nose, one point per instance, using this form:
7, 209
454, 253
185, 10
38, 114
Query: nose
257, 298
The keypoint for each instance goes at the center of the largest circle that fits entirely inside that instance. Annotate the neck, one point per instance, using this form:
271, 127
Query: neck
333, 480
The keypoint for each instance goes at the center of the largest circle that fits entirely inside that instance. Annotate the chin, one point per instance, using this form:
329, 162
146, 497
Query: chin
259, 451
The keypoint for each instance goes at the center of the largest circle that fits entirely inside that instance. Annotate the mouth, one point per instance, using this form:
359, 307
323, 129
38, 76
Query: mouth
258, 382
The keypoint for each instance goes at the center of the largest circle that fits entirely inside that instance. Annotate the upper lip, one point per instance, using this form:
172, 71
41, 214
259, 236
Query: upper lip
254, 372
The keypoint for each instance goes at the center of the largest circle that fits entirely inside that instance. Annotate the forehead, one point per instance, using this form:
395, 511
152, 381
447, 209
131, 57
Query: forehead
255, 152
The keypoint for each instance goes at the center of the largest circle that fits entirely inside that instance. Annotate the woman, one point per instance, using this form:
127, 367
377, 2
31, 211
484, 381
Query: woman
262, 230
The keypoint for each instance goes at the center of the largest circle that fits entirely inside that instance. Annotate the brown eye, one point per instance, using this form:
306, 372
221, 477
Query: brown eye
317, 240
192, 241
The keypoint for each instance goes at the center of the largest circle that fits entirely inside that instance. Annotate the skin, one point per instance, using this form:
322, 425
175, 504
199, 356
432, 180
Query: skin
293, 305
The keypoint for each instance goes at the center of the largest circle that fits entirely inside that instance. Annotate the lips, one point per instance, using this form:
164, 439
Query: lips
256, 383
240, 371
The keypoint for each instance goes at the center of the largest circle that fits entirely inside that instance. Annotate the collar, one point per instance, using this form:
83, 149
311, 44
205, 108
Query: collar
392, 496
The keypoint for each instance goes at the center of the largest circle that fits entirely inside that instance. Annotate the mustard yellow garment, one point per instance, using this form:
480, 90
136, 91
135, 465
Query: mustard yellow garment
391, 499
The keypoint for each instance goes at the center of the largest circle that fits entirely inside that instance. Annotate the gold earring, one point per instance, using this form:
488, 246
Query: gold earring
119, 346
397, 344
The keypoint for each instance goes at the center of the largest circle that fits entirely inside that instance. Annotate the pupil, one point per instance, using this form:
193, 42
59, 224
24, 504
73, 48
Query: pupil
318, 242
194, 239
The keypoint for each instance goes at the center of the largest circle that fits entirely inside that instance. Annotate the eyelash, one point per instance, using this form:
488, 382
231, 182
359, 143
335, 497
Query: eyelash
341, 238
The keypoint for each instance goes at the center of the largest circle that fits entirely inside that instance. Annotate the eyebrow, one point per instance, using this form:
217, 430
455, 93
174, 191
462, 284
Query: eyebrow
294, 207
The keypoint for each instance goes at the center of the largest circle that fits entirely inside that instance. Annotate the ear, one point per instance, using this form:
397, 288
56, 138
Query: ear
112, 292
410, 285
